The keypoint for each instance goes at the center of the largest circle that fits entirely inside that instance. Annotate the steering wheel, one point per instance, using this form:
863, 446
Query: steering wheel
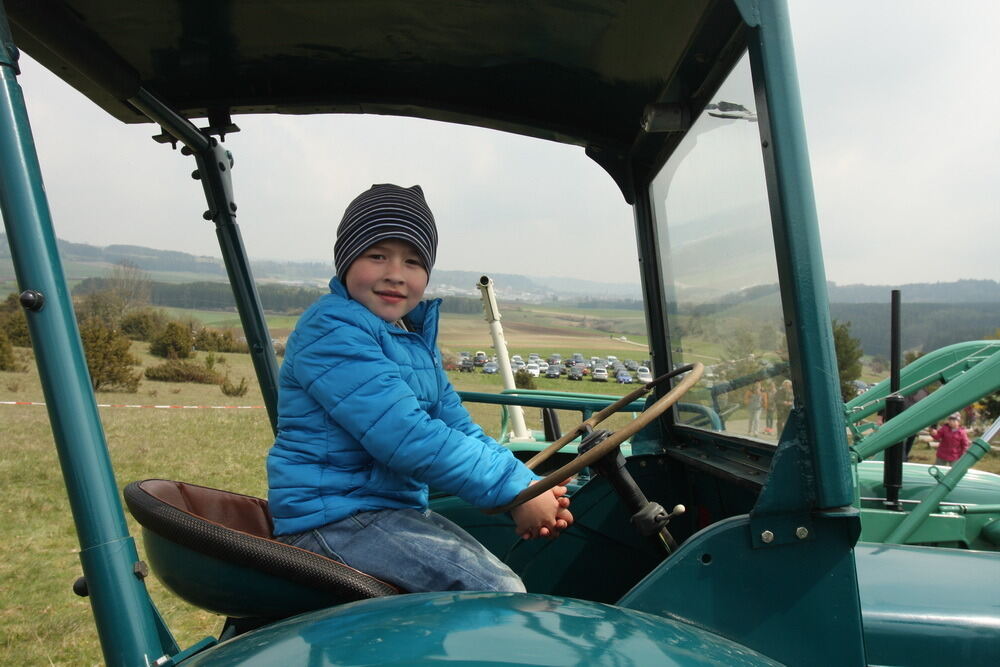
599, 451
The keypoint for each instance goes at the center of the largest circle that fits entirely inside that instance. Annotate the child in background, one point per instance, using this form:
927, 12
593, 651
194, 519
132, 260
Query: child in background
367, 419
952, 441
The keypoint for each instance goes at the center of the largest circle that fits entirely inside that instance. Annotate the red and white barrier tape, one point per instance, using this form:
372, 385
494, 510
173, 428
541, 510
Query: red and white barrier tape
159, 407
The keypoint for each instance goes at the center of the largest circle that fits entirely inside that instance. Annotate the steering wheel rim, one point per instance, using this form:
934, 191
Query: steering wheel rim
599, 451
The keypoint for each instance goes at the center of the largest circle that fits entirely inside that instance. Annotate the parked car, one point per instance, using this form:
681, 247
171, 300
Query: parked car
575, 373
479, 358
631, 364
491, 368
555, 358
466, 365
553, 371
623, 377
532, 369
642, 374
543, 366
599, 374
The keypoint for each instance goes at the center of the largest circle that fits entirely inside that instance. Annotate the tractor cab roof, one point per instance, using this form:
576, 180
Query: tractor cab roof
619, 78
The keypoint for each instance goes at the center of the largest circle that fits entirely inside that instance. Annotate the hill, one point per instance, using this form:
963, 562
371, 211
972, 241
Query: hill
934, 314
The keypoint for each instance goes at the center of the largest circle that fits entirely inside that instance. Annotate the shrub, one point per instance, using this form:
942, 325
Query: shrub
524, 380
14, 323
175, 370
230, 389
105, 306
7, 360
174, 342
219, 341
108, 358
144, 324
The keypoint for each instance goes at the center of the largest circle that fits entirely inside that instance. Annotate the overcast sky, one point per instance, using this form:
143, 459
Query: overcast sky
900, 99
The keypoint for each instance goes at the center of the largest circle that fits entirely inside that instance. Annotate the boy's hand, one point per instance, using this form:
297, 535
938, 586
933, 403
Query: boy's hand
545, 515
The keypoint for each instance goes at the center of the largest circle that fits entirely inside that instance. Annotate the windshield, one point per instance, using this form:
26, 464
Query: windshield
717, 258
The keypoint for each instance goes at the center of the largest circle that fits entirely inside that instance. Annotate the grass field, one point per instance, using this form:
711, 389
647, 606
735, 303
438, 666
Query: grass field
41, 620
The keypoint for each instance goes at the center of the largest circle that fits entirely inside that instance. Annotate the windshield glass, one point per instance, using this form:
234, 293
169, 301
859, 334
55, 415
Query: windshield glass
717, 258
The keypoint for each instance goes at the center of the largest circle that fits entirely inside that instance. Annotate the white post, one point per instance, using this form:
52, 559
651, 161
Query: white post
491, 313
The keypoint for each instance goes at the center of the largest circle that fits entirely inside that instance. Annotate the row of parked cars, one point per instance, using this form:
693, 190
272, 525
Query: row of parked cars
576, 367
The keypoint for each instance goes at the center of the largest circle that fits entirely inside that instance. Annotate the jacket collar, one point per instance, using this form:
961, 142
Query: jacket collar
424, 315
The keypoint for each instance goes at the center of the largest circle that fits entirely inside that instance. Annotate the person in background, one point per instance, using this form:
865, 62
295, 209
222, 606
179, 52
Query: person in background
909, 401
952, 440
771, 406
784, 398
756, 402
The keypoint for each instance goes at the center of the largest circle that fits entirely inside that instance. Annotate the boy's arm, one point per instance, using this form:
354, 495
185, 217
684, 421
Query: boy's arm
348, 374
452, 412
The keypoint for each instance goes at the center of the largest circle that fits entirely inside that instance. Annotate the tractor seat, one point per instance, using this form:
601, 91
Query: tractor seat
214, 549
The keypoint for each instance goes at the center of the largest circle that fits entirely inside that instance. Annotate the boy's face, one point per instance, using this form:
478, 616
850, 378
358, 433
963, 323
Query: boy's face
388, 278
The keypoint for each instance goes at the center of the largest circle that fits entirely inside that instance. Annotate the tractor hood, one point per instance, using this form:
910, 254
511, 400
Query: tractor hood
478, 628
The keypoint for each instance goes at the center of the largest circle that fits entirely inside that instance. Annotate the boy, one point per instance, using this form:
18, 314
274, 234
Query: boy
367, 419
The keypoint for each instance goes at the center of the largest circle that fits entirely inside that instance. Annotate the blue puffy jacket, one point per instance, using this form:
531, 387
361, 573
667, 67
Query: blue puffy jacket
367, 419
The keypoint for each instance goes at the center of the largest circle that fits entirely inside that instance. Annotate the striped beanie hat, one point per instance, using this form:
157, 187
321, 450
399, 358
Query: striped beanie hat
385, 212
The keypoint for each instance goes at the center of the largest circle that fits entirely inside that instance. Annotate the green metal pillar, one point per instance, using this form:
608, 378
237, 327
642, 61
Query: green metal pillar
214, 166
126, 620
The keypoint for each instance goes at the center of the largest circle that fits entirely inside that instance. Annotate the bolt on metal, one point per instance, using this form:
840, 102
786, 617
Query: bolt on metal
767, 537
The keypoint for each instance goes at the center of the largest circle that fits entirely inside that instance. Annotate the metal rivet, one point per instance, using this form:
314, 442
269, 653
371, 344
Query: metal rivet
196, 175
208, 215
232, 206
764, 143
222, 167
767, 537
802, 532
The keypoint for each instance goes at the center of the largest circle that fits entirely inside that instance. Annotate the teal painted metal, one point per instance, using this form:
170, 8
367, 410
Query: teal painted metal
964, 390
961, 519
479, 629
802, 277
124, 613
530, 399
926, 606
214, 167
941, 365
785, 610
224, 588
946, 483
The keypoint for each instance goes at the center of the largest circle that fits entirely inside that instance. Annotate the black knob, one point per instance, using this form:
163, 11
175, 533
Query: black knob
32, 300
80, 587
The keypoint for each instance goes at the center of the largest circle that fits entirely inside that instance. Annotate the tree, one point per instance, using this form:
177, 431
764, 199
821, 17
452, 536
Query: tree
14, 322
130, 285
8, 362
849, 354
175, 342
108, 358
739, 349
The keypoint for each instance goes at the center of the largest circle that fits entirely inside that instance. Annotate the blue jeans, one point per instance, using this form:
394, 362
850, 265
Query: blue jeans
417, 551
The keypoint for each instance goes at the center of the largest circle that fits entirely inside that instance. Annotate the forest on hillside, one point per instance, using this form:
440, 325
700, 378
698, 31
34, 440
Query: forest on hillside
925, 326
